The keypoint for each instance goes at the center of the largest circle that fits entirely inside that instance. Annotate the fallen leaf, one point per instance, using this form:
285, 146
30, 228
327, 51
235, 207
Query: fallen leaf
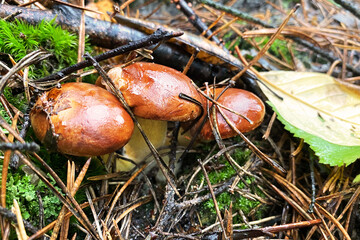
318, 109
357, 179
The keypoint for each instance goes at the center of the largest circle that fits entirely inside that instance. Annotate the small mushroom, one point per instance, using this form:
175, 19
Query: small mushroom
81, 119
152, 91
241, 101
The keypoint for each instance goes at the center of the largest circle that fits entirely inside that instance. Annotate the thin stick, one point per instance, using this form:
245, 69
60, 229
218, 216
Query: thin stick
158, 36
313, 189
117, 196
350, 6
191, 60
260, 154
81, 45
7, 155
4, 212
195, 20
96, 219
20, 228
213, 197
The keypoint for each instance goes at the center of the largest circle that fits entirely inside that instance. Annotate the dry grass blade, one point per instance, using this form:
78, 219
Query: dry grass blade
122, 189
287, 31
292, 188
117, 230
73, 189
267, 45
214, 198
293, 203
260, 154
348, 206
29, 59
70, 179
81, 47
78, 213
127, 211
96, 219
19, 227
228, 223
6, 162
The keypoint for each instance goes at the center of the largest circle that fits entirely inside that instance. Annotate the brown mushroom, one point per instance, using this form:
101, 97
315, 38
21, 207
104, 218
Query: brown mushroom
81, 119
241, 101
152, 91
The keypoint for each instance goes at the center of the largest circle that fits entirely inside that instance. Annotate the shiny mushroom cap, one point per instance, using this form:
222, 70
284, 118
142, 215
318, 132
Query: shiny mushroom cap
81, 119
241, 101
152, 91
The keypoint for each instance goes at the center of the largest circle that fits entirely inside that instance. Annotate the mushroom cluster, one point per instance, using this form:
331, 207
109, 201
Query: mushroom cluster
153, 91
86, 120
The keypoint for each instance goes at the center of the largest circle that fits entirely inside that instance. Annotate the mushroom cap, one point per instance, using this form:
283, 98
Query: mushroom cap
241, 101
81, 119
152, 91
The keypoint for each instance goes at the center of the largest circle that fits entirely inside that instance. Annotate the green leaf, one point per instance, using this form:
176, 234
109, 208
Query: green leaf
328, 153
357, 179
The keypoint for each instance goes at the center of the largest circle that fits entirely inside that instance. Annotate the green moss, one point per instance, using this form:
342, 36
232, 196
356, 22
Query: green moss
17, 100
20, 187
287, 4
239, 202
278, 46
18, 39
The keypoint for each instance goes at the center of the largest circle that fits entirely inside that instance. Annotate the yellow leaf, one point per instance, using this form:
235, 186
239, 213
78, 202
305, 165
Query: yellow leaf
316, 104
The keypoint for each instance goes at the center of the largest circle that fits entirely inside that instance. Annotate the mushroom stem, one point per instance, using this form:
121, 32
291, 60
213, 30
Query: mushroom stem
137, 149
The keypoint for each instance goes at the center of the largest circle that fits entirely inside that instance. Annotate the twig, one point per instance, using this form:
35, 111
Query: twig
12, 217
96, 219
14, 161
235, 12
313, 189
167, 212
350, 6
157, 36
27, 146
190, 203
213, 197
29, 59
6, 161
251, 233
178, 235
12, 16
195, 20
41, 210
